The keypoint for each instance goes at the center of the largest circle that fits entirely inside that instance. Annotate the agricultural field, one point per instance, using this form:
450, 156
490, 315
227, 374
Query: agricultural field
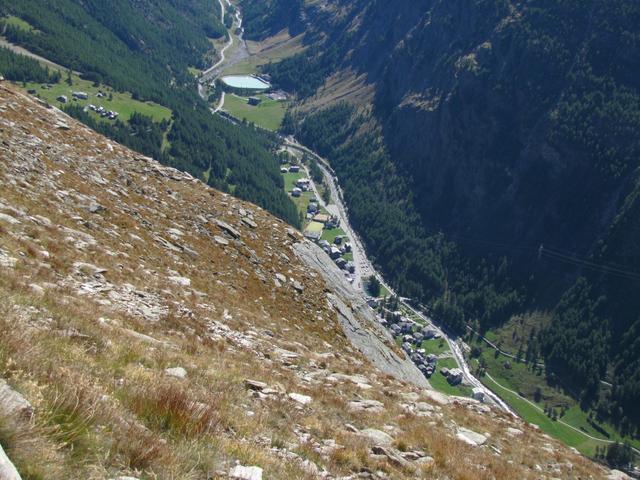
525, 389
330, 235
268, 114
435, 346
122, 103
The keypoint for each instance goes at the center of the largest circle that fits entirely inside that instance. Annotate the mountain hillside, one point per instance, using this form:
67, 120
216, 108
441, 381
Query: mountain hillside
157, 328
494, 171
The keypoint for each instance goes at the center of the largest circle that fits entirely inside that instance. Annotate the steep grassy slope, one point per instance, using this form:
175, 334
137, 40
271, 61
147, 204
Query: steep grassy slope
141, 309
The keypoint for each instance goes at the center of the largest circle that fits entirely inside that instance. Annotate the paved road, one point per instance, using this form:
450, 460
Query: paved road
205, 77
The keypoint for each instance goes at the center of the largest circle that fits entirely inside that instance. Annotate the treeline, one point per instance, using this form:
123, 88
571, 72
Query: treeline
140, 133
19, 68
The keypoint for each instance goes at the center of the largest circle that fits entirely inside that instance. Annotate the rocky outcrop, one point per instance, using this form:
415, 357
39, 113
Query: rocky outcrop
357, 319
7, 469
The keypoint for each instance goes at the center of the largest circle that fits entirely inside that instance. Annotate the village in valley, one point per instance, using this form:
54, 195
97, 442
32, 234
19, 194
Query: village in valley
318, 223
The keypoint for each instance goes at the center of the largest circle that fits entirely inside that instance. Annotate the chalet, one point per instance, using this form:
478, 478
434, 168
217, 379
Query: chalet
321, 218
341, 263
347, 247
312, 235
417, 359
428, 333
334, 252
431, 358
62, 99
395, 330
351, 267
455, 376
312, 208
405, 327
254, 101
406, 347
294, 168
284, 170
337, 240
296, 192
418, 338
303, 183
80, 95
478, 394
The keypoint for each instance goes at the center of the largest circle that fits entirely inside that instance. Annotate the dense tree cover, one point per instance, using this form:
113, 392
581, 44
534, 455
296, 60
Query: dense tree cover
19, 68
314, 170
504, 139
146, 48
137, 46
268, 17
421, 263
304, 72
236, 159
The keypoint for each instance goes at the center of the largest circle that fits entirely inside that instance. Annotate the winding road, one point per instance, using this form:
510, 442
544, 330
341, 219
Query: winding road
210, 72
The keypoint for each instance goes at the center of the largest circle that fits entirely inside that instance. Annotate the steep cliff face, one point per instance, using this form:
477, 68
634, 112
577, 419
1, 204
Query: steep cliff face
155, 327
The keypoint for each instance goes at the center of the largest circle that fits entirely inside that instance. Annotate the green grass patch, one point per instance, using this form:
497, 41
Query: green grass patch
314, 227
435, 346
531, 384
290, 179
13, 21
532, 415
440, 383
194, 71
330, 235
268, 114
120, 102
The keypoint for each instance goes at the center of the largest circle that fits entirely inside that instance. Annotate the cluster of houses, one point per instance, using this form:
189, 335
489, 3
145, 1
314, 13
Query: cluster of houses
110, 114
401, 326
413, 335
103, 112
278, 95
302, 185
336, 250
